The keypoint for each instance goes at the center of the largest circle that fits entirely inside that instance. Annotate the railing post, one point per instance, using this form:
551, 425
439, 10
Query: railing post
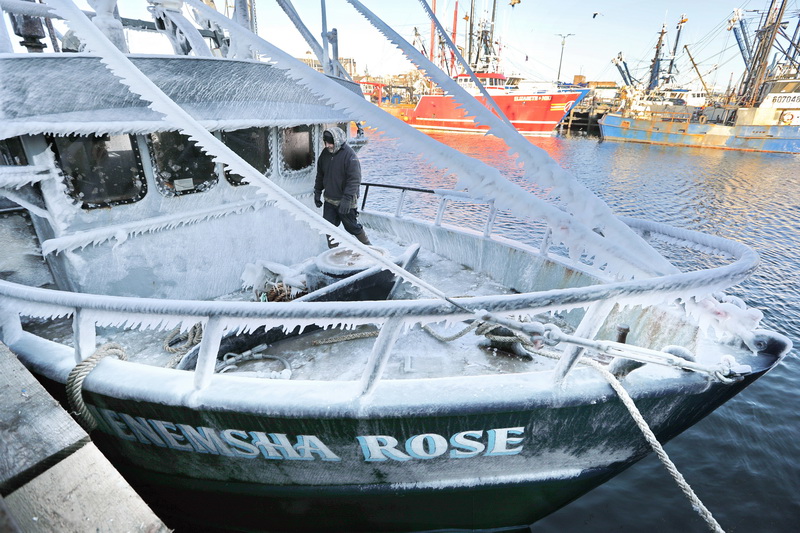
10, 325
400, 202
440, 211
84, 334
207, 354
379, 356
364, 200
545, 247
490, 222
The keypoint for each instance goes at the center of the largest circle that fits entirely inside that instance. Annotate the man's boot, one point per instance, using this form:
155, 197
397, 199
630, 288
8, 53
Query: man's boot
362, 237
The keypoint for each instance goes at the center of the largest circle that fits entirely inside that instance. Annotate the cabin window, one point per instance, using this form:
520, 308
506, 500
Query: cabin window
296, 148
788, 87
252, 145
101, 170
179, 166
11, 152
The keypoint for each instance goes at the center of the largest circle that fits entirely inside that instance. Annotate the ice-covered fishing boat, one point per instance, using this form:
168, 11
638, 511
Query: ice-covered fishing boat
445, 378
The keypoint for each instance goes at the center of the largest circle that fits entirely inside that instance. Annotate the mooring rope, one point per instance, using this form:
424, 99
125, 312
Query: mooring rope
75, 382
701, 509
188, 339
486, 329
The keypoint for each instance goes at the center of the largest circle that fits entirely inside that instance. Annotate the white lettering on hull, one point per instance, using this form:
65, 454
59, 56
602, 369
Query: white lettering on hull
280, 446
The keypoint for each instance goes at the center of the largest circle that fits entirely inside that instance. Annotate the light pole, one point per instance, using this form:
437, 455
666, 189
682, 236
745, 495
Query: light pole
563, 42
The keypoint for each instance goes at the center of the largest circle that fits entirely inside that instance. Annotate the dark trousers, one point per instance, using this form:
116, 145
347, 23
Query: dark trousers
349, 220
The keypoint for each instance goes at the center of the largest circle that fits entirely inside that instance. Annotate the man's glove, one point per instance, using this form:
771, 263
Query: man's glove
344, 205
318, 198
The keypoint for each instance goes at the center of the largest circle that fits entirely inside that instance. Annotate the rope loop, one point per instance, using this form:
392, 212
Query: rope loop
189, 339
77, 376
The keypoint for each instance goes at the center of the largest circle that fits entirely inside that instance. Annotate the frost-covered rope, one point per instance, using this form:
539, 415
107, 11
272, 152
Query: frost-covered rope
348, 337
189, 339
626, 399
539, 167
482, 179
77, 376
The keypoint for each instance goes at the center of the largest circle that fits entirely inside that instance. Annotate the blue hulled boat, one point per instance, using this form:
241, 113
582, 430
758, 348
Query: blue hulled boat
763, 116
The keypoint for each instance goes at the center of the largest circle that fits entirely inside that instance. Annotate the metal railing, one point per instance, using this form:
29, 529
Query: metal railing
90, 311
444, 195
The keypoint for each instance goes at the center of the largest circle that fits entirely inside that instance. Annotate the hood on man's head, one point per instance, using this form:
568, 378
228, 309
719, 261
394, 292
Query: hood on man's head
336, 136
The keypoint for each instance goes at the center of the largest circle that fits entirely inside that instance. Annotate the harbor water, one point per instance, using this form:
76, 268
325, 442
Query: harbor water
742, 460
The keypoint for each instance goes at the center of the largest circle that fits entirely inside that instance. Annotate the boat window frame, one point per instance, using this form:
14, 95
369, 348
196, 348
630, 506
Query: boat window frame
56, 144
12, 152
236, 180
170, 191
312, 157
787, 87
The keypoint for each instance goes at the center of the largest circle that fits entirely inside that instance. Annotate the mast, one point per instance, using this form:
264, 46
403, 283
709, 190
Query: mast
705, 87
740, 33
655, 68
452, 53
757, 73
485, 47
679, 27
433, 35
326, 65
471, 44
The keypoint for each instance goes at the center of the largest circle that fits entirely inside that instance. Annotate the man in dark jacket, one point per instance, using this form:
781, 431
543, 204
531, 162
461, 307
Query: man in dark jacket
339, 175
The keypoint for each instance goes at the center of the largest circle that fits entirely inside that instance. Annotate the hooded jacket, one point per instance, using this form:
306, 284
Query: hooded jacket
338, 173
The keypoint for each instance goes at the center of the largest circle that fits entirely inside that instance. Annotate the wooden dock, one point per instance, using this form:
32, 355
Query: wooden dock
52, 477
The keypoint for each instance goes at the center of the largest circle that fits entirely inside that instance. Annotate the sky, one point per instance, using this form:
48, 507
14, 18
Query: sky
531, 32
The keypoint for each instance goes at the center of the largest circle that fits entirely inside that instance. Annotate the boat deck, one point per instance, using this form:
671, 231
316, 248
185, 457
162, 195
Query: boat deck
340, 353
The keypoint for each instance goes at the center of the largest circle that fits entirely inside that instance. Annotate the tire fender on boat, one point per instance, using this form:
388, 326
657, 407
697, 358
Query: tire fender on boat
702, 119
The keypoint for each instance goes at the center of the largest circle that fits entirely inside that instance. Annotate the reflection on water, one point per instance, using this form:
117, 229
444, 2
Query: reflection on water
742, 459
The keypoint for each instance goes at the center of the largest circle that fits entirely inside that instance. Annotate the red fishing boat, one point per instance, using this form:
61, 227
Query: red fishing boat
531, 112
533, 108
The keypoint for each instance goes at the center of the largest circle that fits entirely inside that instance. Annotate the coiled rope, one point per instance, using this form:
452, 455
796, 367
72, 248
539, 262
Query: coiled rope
75, 382
188, 340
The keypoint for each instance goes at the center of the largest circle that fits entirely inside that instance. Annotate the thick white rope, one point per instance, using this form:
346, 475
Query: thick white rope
75, 382
701, 509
